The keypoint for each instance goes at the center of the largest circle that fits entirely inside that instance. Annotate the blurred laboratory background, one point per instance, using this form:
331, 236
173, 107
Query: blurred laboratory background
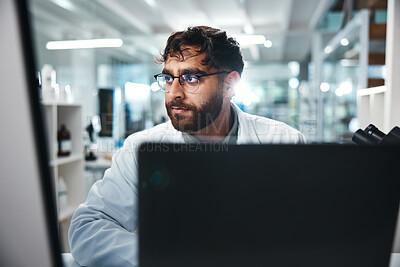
317, 65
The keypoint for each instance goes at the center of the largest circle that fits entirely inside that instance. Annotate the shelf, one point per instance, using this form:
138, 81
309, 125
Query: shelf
373, 82
71, 167
371, 91
65, 160
377, 4
370, 103
66, 213
61, 104
377, 31
376, 59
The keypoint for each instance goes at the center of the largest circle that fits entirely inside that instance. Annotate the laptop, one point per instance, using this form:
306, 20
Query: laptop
267, 205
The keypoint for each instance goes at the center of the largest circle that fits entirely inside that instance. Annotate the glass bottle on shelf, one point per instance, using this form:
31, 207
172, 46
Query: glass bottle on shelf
64, 141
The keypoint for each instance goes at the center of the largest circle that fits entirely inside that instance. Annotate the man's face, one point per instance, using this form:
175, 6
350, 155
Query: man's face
190, 112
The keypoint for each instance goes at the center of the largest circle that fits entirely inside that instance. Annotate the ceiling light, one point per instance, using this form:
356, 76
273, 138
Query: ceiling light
268, 43
294, 67
324, 87
294, 83
82, 44
344, 88
64, 4
338, 92
344, 42
248, 28
328, 49
250, 39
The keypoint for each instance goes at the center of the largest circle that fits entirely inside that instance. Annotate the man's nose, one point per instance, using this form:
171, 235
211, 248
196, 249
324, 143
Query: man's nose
176, 90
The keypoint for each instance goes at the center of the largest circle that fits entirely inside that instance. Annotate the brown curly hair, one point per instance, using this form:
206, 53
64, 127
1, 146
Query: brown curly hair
222, 52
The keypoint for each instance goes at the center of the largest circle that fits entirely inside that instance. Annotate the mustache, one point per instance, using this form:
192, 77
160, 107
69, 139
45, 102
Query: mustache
178, 104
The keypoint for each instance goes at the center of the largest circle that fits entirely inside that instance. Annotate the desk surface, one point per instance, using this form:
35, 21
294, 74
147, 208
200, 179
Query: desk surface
69, 261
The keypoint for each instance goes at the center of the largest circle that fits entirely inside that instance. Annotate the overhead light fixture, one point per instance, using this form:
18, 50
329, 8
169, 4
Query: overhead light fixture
268, 43
64, 4
83, 44
294, 67
328, 49
324, 87
294, 83
344, 42
250, 39
344, 88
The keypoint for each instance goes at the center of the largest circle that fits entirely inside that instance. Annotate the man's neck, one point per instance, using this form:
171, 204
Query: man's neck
219, 128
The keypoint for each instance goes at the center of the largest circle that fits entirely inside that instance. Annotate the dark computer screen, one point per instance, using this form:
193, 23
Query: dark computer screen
267, 205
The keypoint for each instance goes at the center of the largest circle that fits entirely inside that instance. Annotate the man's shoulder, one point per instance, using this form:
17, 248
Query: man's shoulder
150, 135
269, 130
263, 122
163, 132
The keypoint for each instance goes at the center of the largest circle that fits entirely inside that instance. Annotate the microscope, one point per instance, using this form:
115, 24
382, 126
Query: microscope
373, 136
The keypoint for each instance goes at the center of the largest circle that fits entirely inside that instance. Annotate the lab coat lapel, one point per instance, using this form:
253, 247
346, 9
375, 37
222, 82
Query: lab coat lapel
172, 135
246, 133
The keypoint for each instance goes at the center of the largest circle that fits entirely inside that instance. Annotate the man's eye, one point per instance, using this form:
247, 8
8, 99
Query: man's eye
168, 78
190, 78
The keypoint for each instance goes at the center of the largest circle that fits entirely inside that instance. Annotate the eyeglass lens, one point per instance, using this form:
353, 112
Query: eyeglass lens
189, 82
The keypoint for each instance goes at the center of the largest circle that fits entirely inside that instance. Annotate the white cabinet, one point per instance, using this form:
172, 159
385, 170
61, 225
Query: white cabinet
71, 167
370, 106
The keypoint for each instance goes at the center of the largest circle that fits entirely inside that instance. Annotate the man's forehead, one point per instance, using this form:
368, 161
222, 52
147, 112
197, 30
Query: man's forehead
190, 59
185, 53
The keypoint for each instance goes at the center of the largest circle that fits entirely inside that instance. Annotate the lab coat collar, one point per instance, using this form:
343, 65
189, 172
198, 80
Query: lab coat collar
172, 135
247, 133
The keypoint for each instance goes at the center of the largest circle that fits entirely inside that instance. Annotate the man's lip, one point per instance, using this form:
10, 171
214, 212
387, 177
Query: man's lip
179, 110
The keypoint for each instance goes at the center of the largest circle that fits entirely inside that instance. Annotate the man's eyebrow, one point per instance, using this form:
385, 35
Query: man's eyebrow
166, 71
185, 71
192, 71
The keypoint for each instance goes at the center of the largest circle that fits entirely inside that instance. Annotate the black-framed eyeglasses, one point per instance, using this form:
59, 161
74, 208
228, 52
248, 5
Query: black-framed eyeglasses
189, 82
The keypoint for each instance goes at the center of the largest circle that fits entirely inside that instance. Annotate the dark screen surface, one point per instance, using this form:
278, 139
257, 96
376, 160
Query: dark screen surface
106, 111
267, 205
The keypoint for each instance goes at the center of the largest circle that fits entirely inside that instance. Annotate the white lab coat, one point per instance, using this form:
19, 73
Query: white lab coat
102, 231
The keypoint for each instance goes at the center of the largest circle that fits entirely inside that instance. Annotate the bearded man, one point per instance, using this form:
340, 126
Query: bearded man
202, 66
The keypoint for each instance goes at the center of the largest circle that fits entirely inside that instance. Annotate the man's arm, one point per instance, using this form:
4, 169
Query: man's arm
102, 228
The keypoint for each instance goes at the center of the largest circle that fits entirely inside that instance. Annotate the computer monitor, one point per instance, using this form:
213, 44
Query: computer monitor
267, 205
28, 224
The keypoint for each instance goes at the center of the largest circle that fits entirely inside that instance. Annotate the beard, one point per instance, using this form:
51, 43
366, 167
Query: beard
200, 117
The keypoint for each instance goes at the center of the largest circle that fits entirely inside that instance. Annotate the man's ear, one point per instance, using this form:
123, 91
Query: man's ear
231, 80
